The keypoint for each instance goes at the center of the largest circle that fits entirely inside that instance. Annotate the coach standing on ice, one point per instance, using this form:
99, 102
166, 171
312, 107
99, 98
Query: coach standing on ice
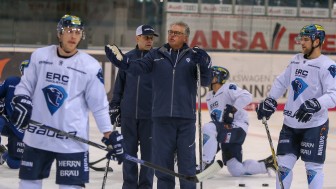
174, 77
131, 106
310, 78
59, 88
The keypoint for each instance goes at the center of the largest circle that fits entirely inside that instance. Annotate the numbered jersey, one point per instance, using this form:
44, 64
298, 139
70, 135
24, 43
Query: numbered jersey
63, 91
230, 94
306, 79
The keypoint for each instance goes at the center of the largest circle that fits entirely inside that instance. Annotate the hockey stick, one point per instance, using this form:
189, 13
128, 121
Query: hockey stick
99, 160
200, 137
107, 163
214, 168
99, 168
264, 121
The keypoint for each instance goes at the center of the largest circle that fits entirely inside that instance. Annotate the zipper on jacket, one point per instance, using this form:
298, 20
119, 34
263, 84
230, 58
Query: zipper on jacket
137, 99
137, 95
173, 84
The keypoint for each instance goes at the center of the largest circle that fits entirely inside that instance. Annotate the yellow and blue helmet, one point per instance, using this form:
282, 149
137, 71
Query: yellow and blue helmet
221, 73
313, 31
24, 64
70, 21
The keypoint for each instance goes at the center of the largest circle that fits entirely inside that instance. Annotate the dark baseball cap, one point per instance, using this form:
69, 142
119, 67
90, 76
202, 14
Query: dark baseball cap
145, 30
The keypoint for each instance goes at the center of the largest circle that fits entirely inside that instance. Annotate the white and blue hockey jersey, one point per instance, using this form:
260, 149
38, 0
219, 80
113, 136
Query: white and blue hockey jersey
63, 91
231, 94
307, 79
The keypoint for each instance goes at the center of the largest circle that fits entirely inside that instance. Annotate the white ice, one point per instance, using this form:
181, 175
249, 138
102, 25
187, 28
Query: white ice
256, 147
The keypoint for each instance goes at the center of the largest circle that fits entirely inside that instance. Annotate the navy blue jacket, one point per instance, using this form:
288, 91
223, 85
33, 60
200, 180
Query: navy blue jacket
174, 76
7, 89
133, 93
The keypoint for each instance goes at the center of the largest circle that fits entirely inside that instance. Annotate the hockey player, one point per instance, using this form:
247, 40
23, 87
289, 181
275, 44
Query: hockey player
174, 84
60, 86
132, 102
15, 146
226, 103
311, 83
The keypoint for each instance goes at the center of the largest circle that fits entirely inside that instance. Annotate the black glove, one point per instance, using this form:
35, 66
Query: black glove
228, 114
307, 109
22, 111
2, 106
115, 115
115, 145
266, 108
201, 57
117, 58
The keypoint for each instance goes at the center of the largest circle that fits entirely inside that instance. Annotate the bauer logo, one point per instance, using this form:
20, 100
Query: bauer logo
54, 96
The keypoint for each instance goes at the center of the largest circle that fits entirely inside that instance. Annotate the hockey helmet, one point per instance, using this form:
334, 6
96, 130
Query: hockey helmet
221, 73
70, 21
24, 64
313, 31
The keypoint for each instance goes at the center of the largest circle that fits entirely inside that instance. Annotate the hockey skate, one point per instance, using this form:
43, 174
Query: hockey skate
269, 163
2, 151
204, 166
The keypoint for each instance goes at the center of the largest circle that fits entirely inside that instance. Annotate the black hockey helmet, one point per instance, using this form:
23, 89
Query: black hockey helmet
221, 73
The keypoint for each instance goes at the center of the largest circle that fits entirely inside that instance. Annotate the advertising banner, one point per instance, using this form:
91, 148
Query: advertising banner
246, 33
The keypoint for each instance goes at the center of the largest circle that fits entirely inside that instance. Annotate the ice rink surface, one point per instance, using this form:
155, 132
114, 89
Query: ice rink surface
256, 147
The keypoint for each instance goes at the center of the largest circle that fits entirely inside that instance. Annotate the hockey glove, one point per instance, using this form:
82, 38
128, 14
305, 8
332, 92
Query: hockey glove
266, 108
22, 111
117, 58
115, 115
307, 109
228, 114
2, 106
201, 57
115, 145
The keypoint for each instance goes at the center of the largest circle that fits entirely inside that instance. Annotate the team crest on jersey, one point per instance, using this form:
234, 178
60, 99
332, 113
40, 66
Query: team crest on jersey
298, 86
100, 76
332, 70
216, 115
54, 96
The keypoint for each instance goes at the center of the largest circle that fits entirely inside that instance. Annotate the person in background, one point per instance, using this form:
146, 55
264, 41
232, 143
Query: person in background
311, 83
174, 86
13, 154
131, 108
229, 125
60, 86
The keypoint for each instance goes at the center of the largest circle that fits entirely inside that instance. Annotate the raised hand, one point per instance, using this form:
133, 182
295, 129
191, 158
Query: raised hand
201, 57
114, 54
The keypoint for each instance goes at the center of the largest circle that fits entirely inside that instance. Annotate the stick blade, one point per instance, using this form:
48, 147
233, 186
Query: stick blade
101, 169
210, 171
